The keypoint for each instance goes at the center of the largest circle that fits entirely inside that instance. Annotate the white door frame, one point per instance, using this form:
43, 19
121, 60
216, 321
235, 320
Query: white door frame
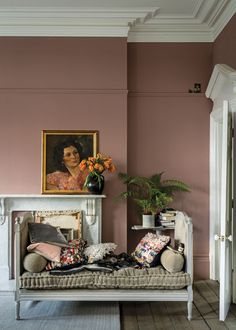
215, 189
222, 86
225, 238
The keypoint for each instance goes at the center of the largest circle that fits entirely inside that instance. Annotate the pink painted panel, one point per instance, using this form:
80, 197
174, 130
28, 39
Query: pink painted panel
63, 84
225, 45
24, 116
77, 63
172, 135
168, 128
168, 67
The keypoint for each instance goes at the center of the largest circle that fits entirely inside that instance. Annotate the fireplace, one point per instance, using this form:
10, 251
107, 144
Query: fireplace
15, 205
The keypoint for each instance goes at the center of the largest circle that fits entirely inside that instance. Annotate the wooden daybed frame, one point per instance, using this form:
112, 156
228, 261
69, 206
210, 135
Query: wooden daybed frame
183, 234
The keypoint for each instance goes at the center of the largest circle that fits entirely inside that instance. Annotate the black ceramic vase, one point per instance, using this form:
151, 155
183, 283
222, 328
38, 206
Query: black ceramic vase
95, 185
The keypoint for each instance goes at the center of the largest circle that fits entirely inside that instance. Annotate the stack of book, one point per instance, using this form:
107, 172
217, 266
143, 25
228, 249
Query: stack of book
167, 218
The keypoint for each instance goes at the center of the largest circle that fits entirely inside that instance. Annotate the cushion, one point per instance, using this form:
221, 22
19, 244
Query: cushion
149, 248
40, 232
34, 262
97, 252
48, 251
172, 260
71, 255
127, 278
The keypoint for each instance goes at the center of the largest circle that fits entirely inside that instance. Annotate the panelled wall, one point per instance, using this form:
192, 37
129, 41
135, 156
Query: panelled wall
224, 51
63, 84
81, 83
168, 129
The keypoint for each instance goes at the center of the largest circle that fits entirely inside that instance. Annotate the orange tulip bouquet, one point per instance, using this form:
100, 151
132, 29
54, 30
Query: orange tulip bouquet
96, 166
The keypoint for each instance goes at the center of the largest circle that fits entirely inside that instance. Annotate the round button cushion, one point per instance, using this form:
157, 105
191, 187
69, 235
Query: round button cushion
172, 261
34, 262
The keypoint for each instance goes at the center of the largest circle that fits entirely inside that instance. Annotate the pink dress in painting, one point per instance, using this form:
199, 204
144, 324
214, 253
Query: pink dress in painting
65, 181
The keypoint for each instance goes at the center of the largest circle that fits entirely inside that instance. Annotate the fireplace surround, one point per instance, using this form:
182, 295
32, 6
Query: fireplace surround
89, 205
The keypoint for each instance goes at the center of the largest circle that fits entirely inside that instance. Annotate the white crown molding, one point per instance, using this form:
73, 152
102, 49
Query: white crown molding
171, 31
224, 18
172, 36
203, 25
212, 16
137, 20
93, 21
202, 9
64, 31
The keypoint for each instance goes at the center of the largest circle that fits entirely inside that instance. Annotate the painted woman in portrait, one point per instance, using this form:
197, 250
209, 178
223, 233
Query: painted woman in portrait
68, 176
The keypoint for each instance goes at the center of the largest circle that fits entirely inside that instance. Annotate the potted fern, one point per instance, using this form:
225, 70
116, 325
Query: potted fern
151, 194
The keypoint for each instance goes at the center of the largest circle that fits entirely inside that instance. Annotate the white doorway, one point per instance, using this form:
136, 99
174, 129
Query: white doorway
222, 90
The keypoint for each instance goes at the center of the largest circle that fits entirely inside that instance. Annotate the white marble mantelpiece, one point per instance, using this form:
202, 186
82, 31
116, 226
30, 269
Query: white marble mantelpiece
90, 205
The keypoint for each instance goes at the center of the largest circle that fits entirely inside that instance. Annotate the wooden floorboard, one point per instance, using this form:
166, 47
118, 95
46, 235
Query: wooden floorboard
173, 315
128, 316
160, 314
144, 316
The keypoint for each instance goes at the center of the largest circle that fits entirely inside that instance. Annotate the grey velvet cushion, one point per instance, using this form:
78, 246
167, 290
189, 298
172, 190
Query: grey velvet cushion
40, 232
172, 260
34, 262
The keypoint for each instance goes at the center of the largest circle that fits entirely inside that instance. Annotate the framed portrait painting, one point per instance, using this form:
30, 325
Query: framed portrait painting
62, 152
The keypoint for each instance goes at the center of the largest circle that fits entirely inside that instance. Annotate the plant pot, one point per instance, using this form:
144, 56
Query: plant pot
94, 185
148, 220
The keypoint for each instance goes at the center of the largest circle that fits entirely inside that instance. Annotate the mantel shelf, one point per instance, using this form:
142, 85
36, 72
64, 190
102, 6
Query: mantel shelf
52, 196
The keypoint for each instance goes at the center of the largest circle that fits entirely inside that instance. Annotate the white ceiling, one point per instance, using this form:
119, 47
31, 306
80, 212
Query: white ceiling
139, 20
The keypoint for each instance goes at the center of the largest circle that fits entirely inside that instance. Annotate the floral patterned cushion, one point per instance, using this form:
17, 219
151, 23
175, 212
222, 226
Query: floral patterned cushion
73, 254
149, 248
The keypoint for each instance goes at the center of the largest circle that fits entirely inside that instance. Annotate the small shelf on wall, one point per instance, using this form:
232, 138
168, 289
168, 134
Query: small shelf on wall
158, 229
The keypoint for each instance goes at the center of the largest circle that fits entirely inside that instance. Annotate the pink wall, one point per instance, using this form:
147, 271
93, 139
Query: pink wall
168, 129
71, 63
63, 84
81, 83
225, 45
168, 67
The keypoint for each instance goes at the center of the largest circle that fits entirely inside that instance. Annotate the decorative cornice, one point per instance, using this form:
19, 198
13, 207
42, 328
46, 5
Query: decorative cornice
203, 25
170, 35
106, 21
223, 18
137, 20
176, 28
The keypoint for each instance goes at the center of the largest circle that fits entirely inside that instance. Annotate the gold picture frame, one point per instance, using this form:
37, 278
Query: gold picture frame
70, 222
61, 153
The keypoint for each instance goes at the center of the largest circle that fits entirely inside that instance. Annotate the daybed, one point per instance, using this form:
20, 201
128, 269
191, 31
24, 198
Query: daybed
149, 284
